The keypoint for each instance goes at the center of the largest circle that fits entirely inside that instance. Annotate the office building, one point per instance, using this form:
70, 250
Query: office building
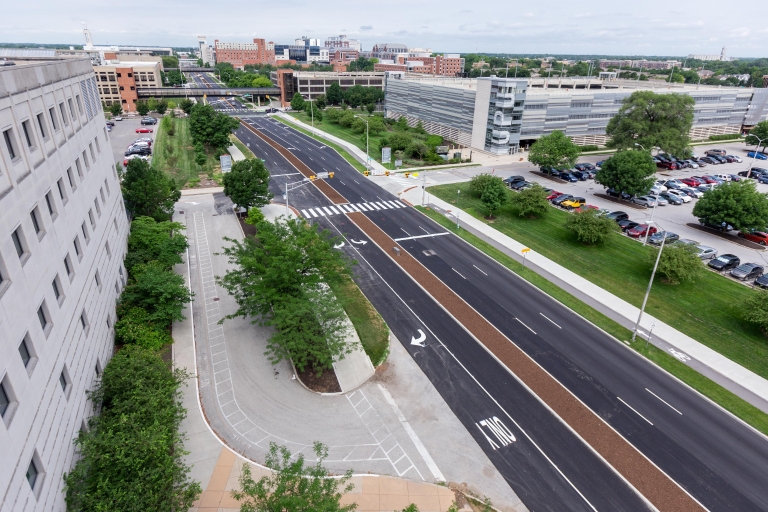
445, 65
242, 54
503, 115
387, 51
156, 51
118, 81
342, 41
311, 84
63, 232
205, 51
722, 57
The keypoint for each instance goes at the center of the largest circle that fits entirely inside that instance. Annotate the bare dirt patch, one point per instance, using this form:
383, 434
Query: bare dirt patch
324, 383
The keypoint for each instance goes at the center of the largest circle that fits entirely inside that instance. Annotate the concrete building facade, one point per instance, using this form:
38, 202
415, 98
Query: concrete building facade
242, 54
311, 84
63, 231
444, 65
342, 41
118, 81
503, 115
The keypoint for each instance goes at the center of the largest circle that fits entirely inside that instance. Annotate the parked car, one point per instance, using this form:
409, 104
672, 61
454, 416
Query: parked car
573, 202
720, 227
759, 237
706, 253
520, 185
656, 190
724, 262
708, 160
581, 175
567, 176
583, 166
144, 130
673, 184
559, 199
138, 151
685, 198
640, 230
139, 144
730, 158
620, 195
667, 236
751, 154
647, 201
666, 164
736, 158
586, 207
761, 282
711, 152
512, 179
763, 178
617, 216
117, 118
719, 158
691, 182
672, 199
600, 163
692, 163
110, 123
724, 177
553, 194
149, 121
700, 161
692, 192
706, 179
747, 271
735, 177
131, 157
546, 169
687, 241
627, 224
145, 139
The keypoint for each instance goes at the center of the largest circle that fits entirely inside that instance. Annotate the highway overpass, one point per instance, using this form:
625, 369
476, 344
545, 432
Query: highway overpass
165, 92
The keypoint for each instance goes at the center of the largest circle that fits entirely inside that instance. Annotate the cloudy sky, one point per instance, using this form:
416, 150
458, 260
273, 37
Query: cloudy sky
650, 27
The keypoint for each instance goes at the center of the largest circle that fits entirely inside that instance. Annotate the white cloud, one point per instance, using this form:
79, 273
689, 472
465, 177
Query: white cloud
366, 27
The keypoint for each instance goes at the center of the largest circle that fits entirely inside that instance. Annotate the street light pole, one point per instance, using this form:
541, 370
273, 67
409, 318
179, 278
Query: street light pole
754, 153
367, 156
648, 291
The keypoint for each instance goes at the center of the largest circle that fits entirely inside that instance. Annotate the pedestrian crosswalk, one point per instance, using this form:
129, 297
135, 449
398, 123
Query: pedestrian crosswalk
338, 209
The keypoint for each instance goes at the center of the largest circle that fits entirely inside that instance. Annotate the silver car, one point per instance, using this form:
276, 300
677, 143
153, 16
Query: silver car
692, 163
706, 253
647, 201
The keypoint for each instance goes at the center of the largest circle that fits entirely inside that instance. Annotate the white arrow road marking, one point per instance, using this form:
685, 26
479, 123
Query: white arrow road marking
363, 242
420, 341
339, 245
190, 202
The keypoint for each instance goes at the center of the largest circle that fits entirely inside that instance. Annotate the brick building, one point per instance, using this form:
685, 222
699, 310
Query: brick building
445, 65
118, 81
242, 54
311, 84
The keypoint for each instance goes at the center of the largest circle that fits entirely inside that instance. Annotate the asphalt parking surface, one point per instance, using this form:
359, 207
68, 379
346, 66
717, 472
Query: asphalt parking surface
123, 134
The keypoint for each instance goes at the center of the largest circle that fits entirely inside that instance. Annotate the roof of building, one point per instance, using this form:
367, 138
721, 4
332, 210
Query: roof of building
128, 64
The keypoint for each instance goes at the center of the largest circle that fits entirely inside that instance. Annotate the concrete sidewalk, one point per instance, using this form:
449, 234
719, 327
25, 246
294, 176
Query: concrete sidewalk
737, 379
237, 155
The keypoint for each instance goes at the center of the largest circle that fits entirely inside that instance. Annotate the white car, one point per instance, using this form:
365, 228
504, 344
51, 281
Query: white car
736, 158
690, 190
660, 185
724, 177
657, 189
682, 195
706, 253
692, 163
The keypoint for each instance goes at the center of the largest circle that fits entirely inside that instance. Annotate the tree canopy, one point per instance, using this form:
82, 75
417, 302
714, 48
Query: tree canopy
247, 184
679, 263
334, 95
739, 204
555, 150
760, 131
155, 241
297, 102
494, 195
211, 128
148, 192
162, 294
589, 227
530, 202
628, 171
653, 121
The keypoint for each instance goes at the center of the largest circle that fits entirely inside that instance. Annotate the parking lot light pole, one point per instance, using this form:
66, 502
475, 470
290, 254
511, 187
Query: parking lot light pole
754, 153
648, 291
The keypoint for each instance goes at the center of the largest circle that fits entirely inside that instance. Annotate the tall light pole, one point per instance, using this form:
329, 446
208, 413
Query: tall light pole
648, 291
367, 157
754, 153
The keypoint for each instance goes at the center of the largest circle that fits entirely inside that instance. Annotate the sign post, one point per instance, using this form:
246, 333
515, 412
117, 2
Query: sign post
525, 252
226, 163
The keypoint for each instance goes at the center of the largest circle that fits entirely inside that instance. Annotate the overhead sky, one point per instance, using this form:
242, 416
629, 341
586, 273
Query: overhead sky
649, 27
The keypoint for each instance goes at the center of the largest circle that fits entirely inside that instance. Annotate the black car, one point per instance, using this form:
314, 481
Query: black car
139, 151
618, 216
584, 167
582, 175
709, 160
627, 224
667, 236
762, 282
149, 120
730, 158
520, 185
600, 163
621, 195
724, 262
559, 199
567, 176
110, 123
719, 158
513, 179
546, 169
723, 226
747, 271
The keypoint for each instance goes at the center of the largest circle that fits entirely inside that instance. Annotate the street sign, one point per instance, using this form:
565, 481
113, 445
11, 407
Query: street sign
525, 250
398, 163
386, 155
226, 163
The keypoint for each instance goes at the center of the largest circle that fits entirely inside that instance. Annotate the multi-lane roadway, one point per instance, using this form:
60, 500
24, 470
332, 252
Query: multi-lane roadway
226, 104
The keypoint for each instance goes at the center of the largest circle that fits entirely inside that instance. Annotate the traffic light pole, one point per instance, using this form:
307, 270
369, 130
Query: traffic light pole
300, 184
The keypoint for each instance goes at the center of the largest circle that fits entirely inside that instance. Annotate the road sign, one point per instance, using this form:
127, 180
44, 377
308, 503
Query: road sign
226, 163
525, 250
386, 155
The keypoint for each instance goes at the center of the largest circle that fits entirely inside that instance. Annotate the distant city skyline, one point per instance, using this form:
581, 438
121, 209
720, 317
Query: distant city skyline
596, 27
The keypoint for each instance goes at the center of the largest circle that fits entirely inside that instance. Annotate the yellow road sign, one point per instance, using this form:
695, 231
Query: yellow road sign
525, 250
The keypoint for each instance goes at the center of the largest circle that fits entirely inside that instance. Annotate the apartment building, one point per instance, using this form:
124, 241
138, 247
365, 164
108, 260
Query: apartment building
342, 41
63, 231
502, 115
118, 81
242, 54
311, 84
444, 65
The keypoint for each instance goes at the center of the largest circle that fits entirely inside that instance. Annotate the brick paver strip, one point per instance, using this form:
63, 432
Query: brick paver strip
324, 187
650, 481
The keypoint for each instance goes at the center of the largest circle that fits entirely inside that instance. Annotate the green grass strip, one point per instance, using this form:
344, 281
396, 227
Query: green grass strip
718, 394
175, 154
242, 147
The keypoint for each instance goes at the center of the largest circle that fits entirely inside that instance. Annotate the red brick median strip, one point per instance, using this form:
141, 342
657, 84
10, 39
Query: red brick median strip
324, 187
651, 482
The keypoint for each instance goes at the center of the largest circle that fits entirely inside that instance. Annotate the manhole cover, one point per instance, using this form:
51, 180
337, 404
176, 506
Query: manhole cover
215, 299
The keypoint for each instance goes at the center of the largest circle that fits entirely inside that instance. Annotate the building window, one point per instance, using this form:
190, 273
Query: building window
26, 357
35, 222
92, 219
71, 179
87, 163
106, 246
98, 146
49, 201
97, 278
32, 473
55, 124
10, 143
98, 208
71, 109
27, 128
79, 167
93, 155
78, 250
41, 124
42, 315
101, 193
84, 322
57, 289
63, 114
20, 244
106, 185
79, 103
68, 267
5, 401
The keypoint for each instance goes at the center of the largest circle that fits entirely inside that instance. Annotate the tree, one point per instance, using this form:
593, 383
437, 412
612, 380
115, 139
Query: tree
531, 202
200, 156
160, 292
494, 195
279, 278
755, 308
211, 128
321, 101
292, 486
334, 95
589, 227
400, 141
135, 328
142, 107
375, 125
150, 240
115, 108
247, 184
261, 81
416, 149
148, 192
161, 107
370, 107
679, 263
653, 120
170, 61
131, 456
760, 131
297, 102
186, 105
478, 183
628, 171
736, 203
554, 150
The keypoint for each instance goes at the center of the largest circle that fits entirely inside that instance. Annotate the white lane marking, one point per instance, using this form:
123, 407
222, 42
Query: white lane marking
657, 396
354, 180
335, 210
424, 230
372, 204
404, 231
545, 316
391, 204
414, 438
633, 409
342, 182
458, 272
312, 212
420, 236
329, 212
362, 207
307, 215
534, 332
321, 212
478, 268
354, 207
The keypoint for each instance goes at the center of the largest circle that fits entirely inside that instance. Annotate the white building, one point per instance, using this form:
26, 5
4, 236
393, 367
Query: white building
63, 234
721, 57
205, 51
342, 41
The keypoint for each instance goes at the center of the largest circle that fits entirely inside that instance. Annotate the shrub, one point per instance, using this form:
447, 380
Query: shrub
589, 227
679, 264
531, 202
134, 328
478, 183
399, 141
150, 240
729, 136
755, 308
161, 292
590, 148
433, 141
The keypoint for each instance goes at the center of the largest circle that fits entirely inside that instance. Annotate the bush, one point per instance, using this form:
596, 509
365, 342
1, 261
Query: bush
531, 202
433, 141
589, 227
589, 148
150, 240
755, 308
729, 136
478, 183
134, 328
679, 264
161, 292
400, 141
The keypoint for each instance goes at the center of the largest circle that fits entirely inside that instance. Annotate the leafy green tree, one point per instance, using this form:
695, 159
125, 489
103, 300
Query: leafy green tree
555, 150
334, 95
261, 81
628, 171
152, 103
297, 102
375, 125
416, 149
148, 192
589, 227
170, 61
135, 328
293, 486
150, 240
530, 202
131, 457
755, 308
739, 204
186, 105
494, 195
679, 263
142, 107
321, 101
115, 108
278, 278
211, 128
358, 125
400, 141
478, 183
760, 131
161, 107
402, 124
371, 108
433, 141
653, 120
160, 292
247, 184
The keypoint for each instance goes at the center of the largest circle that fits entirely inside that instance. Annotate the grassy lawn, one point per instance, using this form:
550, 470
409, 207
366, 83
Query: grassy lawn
705, 386
708, 310
345, 133
175, 155
370, 327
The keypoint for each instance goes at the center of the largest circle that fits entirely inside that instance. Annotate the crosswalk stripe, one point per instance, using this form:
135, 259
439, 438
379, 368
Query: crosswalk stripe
374, 205
321, 212
307, 215
329, 212
391, 204
362, 207
346, 208
312, 212
355, 208
400, 204
335, 210
383, 206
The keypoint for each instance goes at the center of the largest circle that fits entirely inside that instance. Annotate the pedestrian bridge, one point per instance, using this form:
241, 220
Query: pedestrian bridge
165, 92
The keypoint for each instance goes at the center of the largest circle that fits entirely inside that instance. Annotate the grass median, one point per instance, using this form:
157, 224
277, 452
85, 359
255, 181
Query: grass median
718, 394
175, 155
242, 147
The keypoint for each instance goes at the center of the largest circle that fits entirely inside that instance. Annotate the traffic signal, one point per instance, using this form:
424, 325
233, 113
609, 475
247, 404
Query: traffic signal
407, 174
313, 177
386, 173
365, 173
330, 175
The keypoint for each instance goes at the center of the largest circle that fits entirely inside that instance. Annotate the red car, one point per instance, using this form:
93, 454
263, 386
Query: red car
588, 207
706, 179
759, 237
639, 230
553, 195
143, 130
692, 182
667, 165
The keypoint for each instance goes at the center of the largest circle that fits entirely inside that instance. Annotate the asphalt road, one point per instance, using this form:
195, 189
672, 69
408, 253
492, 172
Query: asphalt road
716, 458
222, 103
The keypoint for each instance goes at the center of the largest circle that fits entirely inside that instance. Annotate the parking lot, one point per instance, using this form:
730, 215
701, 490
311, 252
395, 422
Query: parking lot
124, 133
